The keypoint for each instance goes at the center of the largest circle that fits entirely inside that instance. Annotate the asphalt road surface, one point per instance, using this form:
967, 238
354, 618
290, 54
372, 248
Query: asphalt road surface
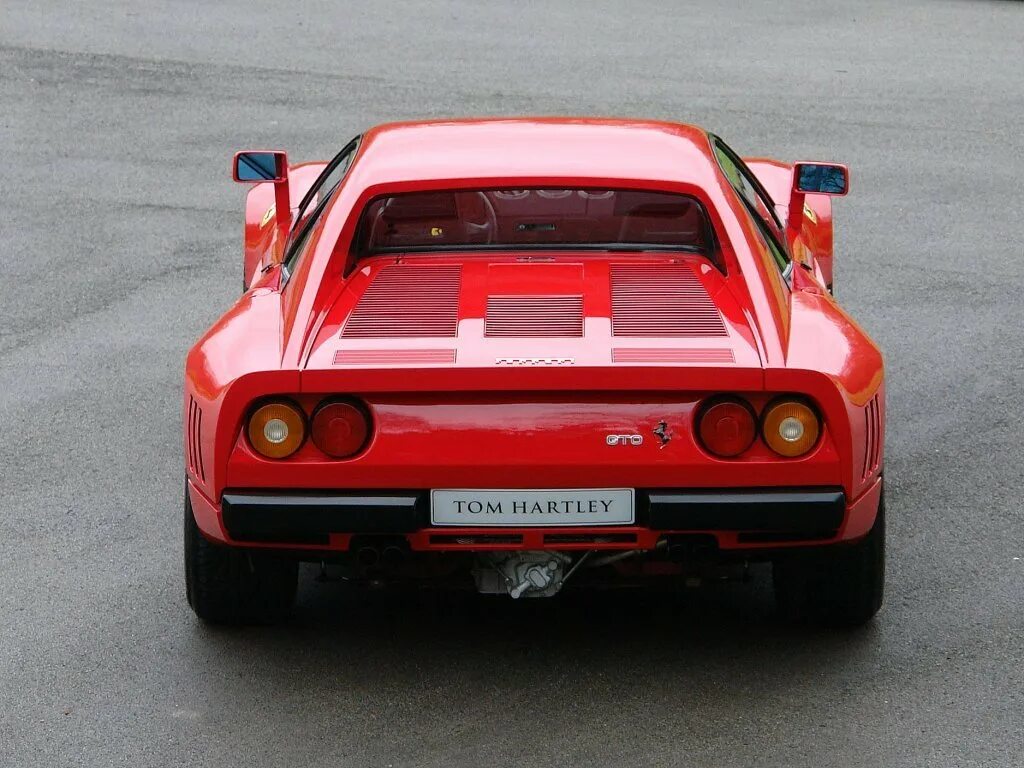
121, 243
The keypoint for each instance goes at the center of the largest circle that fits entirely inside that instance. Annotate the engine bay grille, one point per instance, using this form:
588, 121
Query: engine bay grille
662, 300
534, 316
407, 301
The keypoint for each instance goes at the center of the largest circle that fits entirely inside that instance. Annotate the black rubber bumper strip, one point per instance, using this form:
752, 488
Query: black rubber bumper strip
311, 518
810, 512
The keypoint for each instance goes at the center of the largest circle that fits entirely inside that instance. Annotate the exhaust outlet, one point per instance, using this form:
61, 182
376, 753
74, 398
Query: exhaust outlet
393, 555
368, 556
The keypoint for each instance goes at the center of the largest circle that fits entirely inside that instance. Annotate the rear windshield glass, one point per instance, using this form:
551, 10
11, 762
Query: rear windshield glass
534, 218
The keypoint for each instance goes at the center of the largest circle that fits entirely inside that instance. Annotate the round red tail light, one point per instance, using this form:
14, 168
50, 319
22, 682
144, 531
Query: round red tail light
340, 429
727, 427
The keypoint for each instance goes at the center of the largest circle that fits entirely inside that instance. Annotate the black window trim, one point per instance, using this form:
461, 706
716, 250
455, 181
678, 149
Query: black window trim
505, 247
751, 179
349, 149
759, 222
766, 232
299, 234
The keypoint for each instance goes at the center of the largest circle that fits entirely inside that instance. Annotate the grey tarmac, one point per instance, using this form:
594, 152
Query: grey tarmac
121, 237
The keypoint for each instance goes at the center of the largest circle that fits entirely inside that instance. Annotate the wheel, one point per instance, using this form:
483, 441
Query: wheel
232, 586
840, 586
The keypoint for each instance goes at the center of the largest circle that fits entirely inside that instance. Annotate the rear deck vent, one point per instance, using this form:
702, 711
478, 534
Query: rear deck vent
590, 539
406, 301
662, 300
654, 355
472, 540
872, 436
394, 357
195, 434
534, 316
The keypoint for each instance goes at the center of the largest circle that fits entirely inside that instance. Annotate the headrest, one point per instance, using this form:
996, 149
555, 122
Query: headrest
660, 211
421, 207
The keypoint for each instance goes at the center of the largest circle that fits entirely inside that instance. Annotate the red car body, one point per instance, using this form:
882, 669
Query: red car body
463, 391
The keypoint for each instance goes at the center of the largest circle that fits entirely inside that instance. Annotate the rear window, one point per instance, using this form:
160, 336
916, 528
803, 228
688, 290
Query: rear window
534, 218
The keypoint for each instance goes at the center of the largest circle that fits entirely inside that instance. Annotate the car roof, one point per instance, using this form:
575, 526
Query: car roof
587, 149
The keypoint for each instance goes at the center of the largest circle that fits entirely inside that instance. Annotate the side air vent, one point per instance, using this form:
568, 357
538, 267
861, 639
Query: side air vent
662, 300
408, 300
195, 433
640, 355
872, 436
534, 316
394, 356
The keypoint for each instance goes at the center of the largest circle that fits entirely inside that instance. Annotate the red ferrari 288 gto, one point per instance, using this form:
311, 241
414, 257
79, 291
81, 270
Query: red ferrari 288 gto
522, 355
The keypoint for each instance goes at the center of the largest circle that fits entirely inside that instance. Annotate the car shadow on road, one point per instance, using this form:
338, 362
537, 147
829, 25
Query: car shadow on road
726, 630
452, 679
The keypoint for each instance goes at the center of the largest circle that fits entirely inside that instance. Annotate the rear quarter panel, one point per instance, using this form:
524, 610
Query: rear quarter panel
834, 361
235, 362
828, 355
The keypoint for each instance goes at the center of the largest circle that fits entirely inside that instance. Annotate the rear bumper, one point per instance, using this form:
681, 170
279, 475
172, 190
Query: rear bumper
738, 518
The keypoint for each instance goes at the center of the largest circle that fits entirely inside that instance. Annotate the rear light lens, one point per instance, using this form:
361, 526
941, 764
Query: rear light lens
790, 427
277, 430
340, 428
727, 427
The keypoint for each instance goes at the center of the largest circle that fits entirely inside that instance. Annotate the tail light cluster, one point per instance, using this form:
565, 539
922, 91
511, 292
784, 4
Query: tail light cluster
727, 426
338, 427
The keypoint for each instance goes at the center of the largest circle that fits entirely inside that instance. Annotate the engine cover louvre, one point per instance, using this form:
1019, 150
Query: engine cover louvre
408, 300
671, 355
662, 300
394, 357
534, 316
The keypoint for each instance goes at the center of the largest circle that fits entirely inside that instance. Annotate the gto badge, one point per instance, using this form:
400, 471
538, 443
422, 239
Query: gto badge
624, 439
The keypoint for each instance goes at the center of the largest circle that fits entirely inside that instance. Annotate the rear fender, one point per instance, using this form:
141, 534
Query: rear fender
833, 361
260, 233
263, 244
816, 235
814, 243
236, 362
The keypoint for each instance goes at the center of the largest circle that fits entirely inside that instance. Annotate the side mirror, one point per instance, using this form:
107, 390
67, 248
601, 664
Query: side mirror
830, 179
821, 178
813, 179
254, 167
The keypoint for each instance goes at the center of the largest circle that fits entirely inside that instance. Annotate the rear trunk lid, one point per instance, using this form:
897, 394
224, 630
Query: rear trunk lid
619, 321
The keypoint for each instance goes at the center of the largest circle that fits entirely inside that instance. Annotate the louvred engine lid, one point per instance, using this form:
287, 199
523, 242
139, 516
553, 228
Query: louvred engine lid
546, 311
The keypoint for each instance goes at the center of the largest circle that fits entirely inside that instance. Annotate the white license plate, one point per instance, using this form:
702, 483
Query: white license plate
591, 506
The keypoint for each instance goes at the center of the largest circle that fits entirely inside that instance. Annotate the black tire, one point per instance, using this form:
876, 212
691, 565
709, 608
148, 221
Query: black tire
225, 585
840, 586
